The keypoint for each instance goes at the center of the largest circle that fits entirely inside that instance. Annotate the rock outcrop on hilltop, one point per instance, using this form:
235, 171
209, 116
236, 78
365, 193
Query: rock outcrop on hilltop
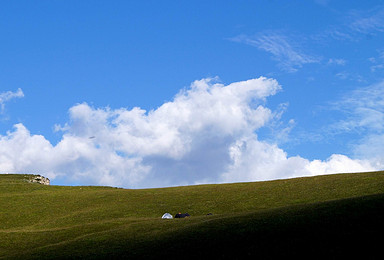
40, 179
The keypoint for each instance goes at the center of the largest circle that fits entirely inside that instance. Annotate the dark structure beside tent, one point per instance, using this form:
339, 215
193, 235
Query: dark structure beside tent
179, 215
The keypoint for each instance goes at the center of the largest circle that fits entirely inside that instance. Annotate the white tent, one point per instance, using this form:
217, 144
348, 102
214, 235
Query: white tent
167, 216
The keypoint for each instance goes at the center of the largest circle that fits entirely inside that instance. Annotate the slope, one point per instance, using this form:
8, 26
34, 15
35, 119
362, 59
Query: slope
38, 221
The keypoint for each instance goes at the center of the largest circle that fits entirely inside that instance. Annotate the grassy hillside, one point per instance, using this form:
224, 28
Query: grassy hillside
322, 215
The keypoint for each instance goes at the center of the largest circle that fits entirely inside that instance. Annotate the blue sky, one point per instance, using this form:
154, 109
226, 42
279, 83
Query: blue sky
165, 93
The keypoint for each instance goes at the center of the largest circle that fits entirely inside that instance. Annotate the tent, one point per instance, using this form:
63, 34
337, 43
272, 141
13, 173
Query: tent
167, 216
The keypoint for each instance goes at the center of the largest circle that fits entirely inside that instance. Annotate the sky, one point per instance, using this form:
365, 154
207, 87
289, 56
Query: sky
142, 94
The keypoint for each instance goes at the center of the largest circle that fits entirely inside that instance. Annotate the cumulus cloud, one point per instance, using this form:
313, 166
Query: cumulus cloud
340, 163
206, 134
6, 96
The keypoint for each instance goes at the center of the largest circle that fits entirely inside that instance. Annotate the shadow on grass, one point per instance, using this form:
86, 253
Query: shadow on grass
336, 229
328, 230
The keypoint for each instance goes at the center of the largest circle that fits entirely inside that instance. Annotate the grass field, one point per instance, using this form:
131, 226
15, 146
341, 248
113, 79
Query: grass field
324, 216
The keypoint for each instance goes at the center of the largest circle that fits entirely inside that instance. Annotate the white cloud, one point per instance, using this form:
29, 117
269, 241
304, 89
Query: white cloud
363, 115
375, 68
256, 160
342, 75
6, 96
74, 158
206, 134
339, 163
358, 24
377, 62
364, 109
340, 62
368, 21
289, 58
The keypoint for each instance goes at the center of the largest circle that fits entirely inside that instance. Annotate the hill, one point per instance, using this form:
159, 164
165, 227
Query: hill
328, 216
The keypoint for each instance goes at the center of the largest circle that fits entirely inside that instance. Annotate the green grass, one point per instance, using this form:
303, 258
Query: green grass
322, 215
